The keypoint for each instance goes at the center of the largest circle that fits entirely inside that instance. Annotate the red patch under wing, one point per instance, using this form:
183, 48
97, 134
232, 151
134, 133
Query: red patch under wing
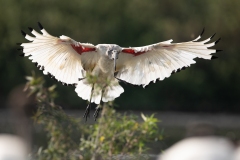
131, 51
81, 49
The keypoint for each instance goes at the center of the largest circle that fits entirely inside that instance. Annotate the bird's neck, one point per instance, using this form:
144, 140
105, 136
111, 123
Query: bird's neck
106, 65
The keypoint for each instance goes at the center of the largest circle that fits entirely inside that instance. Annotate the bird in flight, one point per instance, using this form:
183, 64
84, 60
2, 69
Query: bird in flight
95, 70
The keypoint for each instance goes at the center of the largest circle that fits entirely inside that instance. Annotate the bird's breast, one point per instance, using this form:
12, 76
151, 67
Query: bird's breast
106, 65
103, 71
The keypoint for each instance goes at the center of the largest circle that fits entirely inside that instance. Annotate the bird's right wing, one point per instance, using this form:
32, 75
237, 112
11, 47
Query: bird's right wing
62, 58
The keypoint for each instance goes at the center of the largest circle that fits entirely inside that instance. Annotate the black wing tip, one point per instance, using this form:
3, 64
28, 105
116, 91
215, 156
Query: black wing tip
40, 25
214, 57
202, 31
212, 36
30, 28
219, 50
217, 40
22, 55
49, 75
19, 44
65, 84
23, 33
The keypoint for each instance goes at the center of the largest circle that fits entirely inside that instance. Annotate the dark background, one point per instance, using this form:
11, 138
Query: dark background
207, 86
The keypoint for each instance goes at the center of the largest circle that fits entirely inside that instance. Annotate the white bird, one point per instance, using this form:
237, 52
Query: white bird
96, 70
200, 148
13, 147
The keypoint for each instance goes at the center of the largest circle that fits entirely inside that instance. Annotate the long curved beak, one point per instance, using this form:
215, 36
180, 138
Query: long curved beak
115, 57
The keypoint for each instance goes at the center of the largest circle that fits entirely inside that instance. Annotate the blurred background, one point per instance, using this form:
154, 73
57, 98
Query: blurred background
204, 89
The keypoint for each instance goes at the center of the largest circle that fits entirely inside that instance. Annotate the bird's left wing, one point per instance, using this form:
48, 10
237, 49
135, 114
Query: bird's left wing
62, 58
141, 65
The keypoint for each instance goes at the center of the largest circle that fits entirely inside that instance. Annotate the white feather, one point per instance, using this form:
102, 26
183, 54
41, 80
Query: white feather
112, 91
68, 60
56, 55
158, 61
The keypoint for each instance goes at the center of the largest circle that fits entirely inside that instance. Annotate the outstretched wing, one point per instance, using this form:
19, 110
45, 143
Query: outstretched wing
62, 58
141, 65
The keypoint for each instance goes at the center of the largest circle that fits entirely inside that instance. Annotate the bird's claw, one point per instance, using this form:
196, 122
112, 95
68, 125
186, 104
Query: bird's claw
87, 112
95, 115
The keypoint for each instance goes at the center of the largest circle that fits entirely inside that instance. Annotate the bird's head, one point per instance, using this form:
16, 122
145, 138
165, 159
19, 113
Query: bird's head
113, 52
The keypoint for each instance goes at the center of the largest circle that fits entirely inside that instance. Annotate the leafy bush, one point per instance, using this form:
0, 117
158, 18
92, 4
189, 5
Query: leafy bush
112, 135
115, 134
57, 124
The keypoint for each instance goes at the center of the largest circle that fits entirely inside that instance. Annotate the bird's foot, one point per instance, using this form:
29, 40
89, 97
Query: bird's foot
98, 109
87, 112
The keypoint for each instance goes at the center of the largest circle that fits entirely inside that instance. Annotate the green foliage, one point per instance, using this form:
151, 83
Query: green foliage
58, 126
113, 134
116, 134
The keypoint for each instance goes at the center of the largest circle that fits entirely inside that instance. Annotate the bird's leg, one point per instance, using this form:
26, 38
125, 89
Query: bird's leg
79, 79
87, 111
99, 107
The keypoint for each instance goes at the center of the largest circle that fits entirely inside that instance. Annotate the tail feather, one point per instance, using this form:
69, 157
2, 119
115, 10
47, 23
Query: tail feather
111, 92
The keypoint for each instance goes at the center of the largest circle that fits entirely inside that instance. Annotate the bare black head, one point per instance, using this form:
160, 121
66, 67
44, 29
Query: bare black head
110, 51
113, 52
